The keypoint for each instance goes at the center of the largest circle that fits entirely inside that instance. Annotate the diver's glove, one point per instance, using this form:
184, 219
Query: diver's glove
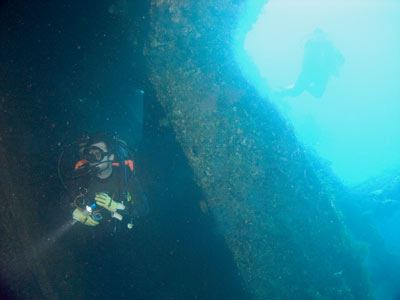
83, 217
108, 203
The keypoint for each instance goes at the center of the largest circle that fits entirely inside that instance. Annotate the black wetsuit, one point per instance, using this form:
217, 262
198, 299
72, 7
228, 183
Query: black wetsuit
135, 206
321, 61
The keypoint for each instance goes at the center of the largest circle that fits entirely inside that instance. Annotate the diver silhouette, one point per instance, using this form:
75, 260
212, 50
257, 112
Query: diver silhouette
321, 61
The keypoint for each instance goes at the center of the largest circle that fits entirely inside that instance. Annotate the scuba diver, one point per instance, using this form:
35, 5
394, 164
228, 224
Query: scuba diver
321, 61
102, 184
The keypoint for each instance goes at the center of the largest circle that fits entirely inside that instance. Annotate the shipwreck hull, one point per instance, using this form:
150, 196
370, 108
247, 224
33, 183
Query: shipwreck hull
279, 222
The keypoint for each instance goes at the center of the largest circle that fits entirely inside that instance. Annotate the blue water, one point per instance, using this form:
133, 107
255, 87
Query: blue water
332, 69
73, 68
352, 121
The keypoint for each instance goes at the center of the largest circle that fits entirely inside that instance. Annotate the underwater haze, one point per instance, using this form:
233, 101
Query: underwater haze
238, 208
333, 68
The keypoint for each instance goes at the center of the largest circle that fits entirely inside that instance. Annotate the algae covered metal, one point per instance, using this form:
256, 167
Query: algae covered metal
275, 215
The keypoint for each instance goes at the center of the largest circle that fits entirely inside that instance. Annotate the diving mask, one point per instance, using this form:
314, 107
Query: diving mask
94, 154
